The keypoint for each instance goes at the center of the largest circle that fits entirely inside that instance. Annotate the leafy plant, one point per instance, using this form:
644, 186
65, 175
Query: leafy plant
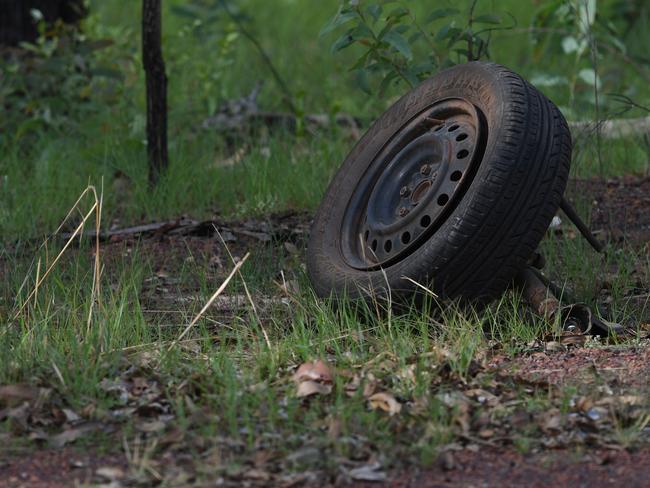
586, 35
574, 21
208, 13
397, 46
49, 84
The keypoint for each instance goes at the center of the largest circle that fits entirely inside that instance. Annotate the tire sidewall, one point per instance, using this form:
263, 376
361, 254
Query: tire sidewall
476, 82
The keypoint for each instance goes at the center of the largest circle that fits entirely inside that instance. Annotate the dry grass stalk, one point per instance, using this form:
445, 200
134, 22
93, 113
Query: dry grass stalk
211, 300
95, 208
421, 286
95, 295
248, 295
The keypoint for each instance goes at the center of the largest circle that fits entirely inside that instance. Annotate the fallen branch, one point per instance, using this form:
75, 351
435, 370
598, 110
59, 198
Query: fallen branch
152, 228
241, 122
261, 231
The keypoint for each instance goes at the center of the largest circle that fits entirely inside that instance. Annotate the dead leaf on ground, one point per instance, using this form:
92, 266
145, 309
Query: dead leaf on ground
70, 415
118, 387
291, 247
368, 472
315, 371
370, 384
12, 395
486, 433
151, 426
174, 436
459, 404
483, 396
71, 435
569, 339
551, 422
333, 428
632, 400
257, 474
308, 388
110, 473
140, 385
583, 404
352, 386
19, 414
446, 461
385, 402
314, 377
554, 346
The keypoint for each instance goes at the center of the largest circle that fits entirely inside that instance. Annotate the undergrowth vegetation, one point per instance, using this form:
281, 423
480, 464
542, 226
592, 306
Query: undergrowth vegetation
98, 348
75, 102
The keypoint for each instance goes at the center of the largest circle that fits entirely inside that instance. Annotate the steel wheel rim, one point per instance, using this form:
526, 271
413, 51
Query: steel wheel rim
413, 184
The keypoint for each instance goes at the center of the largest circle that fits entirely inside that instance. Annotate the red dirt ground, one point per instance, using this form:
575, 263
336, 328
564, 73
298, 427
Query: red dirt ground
496, 468
620, 366
620, 207
56, 468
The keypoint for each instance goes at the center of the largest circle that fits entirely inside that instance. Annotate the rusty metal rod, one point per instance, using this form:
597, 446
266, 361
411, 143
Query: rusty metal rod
573, 318
535, 292
573, 216
555, 289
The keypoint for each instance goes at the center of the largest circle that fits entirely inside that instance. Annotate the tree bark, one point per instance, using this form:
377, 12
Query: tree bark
156, 80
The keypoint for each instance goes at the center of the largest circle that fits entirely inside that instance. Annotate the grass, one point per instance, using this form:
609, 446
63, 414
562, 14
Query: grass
45, 167
224, 385
223, 394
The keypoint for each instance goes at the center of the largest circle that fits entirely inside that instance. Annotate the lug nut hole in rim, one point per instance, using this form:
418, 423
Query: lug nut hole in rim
412, 185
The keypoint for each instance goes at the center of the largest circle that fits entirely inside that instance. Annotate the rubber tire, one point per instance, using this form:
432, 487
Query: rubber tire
501, 218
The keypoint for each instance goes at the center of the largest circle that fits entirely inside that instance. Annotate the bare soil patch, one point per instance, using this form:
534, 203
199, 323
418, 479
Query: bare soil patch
59, 468
620, 207
508, 468
618, 366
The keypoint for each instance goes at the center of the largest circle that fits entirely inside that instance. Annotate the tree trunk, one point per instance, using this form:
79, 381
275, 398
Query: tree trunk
154, 68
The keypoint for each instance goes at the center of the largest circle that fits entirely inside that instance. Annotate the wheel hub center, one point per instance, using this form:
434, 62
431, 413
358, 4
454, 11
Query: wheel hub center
413, 184
421, 190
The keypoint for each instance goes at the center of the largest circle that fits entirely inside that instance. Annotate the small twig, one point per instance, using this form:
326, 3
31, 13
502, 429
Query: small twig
57, 371
479, 441
211, 300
